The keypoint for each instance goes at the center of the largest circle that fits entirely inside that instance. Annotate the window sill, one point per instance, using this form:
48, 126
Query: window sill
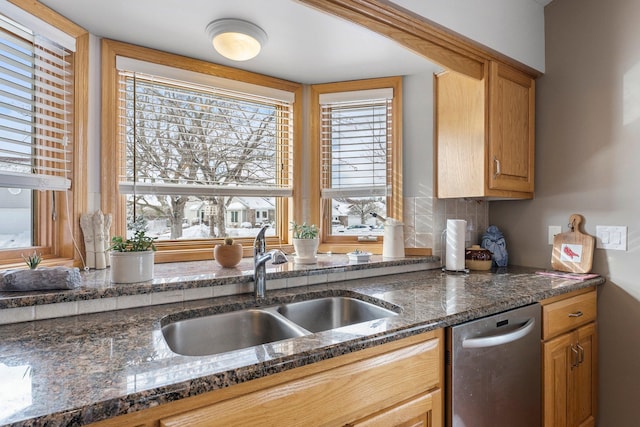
179, 282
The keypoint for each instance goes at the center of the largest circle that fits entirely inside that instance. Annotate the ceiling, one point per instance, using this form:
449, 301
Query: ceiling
304, 45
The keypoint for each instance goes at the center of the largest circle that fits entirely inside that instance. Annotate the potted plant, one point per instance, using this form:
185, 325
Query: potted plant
229, 254
305, 242
132, 259
32, 261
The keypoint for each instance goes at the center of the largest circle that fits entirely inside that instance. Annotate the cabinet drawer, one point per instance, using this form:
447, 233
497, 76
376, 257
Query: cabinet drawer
567, 314
422, 411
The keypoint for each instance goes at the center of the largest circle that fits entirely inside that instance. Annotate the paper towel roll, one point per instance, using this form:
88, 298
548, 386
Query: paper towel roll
456, 231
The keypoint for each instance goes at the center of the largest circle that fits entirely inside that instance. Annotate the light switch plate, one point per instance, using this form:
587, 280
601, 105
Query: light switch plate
611, 237
553, 230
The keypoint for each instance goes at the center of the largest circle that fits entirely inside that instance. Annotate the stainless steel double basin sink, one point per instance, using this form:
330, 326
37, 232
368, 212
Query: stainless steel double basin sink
219, 333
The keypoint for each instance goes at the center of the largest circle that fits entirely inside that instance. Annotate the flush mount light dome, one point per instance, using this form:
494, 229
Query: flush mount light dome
236, 39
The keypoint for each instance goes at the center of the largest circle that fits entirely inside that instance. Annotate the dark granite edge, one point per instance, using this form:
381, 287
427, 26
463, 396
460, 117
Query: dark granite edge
86, 292
150, 398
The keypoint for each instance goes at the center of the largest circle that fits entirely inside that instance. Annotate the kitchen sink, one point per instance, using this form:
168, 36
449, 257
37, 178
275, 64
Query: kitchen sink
322, 314
219, 333
223, 332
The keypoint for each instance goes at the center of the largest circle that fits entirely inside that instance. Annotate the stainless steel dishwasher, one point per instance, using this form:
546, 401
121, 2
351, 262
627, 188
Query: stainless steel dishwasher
493, 370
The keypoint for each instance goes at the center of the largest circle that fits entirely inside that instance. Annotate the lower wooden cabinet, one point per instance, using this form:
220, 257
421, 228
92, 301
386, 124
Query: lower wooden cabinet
570, 356
395, 384
421, 411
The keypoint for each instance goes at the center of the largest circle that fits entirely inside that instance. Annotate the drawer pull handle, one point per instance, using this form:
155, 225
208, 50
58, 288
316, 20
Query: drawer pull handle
575, 357
497, 163
576, 314
580, 354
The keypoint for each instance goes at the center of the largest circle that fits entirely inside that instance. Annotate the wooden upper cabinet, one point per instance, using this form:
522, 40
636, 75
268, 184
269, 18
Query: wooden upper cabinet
511, 129
485, 134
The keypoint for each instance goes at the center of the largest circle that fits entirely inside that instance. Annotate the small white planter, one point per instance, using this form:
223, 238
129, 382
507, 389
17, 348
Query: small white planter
131, 267
306, 250
359, 256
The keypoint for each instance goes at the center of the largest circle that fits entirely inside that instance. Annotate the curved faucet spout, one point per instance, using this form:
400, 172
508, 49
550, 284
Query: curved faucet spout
260, 243
260, 258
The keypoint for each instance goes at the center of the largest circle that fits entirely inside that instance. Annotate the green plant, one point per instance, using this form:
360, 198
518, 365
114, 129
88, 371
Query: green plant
228, 241
139, 243
32, 260
304, 231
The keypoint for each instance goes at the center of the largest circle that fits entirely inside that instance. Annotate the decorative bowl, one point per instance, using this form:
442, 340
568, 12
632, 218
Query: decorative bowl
477, 258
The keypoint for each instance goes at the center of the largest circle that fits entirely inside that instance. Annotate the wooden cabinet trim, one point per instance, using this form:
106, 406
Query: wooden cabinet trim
420, 35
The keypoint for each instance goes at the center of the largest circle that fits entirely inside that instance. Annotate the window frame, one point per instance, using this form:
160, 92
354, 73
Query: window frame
113, 202
341, 244
60, 242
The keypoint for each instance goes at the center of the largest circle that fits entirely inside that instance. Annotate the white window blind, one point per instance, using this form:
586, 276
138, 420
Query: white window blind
36, 102
191, 138
356, 143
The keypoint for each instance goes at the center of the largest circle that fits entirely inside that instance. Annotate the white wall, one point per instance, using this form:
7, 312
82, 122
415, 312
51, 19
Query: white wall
512, 27
587, 158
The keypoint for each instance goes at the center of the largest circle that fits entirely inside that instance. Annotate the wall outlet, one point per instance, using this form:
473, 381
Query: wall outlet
553, 230
611, 237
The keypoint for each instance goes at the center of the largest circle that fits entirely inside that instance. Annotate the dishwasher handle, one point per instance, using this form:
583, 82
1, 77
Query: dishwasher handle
500, 339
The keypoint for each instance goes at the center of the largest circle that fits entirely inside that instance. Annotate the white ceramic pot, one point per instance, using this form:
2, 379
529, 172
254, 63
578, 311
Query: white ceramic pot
131, 267
306, 250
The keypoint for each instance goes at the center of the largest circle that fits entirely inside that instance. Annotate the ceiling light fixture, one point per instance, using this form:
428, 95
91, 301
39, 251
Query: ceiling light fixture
236, 39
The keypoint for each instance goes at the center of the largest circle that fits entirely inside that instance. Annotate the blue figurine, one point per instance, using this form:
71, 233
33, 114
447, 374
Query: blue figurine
493, 240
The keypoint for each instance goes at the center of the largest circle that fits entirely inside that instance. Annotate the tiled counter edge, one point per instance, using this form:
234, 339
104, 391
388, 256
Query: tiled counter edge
25, 307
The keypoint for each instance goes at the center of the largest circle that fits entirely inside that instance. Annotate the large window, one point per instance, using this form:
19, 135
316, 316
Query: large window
201, 156
39, 136
358, 143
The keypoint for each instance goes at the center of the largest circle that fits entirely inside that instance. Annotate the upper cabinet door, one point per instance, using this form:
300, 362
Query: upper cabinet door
511, 129
485, 134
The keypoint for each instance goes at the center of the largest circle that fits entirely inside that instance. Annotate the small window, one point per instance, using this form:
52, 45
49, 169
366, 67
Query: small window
37, 142
358, 145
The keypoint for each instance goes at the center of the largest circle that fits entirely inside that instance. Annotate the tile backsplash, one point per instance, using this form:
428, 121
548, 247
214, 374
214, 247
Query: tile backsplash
425, 218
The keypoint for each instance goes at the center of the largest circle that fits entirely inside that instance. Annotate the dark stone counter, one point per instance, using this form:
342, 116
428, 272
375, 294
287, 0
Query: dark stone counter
79, 369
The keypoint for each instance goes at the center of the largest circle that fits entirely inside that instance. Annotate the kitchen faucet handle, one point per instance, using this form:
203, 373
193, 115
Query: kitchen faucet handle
278, 257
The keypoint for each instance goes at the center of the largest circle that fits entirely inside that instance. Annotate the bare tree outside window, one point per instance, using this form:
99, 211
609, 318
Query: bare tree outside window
194, 137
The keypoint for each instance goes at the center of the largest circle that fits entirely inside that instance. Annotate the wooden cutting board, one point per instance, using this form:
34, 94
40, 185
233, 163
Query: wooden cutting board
573, 250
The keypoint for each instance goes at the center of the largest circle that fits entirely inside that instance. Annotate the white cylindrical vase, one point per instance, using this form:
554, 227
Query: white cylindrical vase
393, 244
131, 267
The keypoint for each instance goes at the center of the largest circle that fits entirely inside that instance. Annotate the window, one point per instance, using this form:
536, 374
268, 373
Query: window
360, 157
199, 155
39, 137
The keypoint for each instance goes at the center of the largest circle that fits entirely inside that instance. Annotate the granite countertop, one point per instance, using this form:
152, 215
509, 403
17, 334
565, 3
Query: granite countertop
79, 369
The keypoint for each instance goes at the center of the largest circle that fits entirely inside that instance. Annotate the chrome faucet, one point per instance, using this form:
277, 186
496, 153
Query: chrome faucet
260, 258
